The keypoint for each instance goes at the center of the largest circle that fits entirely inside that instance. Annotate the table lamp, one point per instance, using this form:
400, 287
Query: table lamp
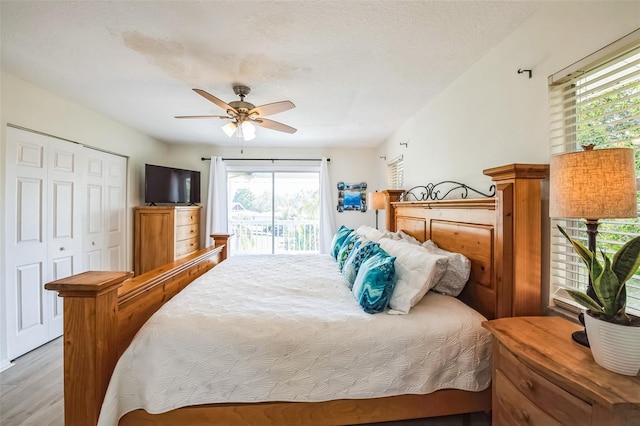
376, 202
593, 184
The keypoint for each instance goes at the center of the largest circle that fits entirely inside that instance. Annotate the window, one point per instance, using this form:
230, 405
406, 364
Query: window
395, 173
273, 211
597, 102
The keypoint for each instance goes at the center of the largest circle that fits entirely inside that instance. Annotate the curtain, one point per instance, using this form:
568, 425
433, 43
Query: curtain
327, 224
217, 211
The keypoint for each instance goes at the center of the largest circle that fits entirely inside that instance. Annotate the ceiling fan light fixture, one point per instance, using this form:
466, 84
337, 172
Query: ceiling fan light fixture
246, 131
230, 128
248, 127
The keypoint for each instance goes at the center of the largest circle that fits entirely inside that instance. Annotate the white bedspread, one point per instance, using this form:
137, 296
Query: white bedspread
287, 328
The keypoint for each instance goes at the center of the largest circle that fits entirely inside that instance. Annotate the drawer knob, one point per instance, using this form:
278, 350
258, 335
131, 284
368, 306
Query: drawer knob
526, 384
522, 415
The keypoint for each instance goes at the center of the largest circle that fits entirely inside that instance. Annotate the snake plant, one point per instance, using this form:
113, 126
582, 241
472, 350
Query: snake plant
608, 280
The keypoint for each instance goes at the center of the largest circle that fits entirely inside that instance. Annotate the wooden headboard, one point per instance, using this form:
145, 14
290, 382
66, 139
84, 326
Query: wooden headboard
501, 236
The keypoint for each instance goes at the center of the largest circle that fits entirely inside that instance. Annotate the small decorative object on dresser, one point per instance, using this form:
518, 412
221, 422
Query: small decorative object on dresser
614, 336
540, 377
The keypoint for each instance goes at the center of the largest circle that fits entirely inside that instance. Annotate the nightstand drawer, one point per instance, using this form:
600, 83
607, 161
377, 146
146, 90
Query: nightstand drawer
516, 409
185, 232
550, 398
187, 217
185, 247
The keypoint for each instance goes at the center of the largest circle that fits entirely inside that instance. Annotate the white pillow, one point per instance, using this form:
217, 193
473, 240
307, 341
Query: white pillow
372, 234
458, 269
417, 271
401, 235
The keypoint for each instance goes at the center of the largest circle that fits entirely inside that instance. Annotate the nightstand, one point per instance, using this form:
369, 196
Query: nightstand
541, 377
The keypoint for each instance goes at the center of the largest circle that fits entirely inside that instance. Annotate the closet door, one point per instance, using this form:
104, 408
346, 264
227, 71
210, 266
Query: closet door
42, 234
105, 191
94, 211
115, 208
26, 247
64, 230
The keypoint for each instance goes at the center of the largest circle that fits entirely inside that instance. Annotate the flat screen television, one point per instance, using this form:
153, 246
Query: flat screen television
168, 185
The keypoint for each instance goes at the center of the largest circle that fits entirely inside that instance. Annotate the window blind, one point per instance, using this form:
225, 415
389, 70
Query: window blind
598, 104
395, 173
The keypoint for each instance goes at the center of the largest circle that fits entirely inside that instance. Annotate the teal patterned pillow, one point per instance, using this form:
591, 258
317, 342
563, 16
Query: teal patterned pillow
338, 239
361, 252
345, 250
375, 282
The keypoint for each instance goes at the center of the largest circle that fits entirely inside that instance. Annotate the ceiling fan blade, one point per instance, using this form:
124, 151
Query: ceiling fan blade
274, 125
203, 116
270, 109
215, 100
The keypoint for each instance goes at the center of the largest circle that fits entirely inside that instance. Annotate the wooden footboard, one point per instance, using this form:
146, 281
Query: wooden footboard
102, 313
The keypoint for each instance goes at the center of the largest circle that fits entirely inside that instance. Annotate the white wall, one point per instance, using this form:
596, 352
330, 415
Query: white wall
491, 115
25, 105
347, 165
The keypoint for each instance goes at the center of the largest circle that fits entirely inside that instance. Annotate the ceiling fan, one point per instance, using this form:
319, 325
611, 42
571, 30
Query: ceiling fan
244, 115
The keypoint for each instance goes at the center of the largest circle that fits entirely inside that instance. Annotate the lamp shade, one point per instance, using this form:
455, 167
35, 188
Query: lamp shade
593, 184
376, 200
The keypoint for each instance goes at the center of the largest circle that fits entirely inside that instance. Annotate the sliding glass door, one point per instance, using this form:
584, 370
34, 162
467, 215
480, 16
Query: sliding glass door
273, 211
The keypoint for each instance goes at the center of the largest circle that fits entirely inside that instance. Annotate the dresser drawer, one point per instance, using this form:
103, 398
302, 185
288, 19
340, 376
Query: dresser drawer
187, 217
185, 232
185, 247
550, 398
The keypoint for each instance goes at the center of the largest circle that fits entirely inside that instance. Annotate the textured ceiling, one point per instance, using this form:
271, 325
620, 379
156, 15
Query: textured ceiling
356, 70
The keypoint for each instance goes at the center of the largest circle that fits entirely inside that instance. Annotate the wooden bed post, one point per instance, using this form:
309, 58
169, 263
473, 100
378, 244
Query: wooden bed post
390, 196
221, 240
519, 246
90, 340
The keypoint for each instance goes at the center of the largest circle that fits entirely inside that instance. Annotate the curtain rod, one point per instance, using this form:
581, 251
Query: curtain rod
266, 159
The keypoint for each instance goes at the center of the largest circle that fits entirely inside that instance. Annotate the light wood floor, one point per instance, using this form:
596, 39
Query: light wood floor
31, 394
31, 390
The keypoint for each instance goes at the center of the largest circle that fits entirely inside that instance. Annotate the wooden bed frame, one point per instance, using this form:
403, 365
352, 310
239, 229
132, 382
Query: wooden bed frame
500, 235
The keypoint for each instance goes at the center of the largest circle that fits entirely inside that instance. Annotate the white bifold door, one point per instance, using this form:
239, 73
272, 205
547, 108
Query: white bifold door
46, 227
104, 207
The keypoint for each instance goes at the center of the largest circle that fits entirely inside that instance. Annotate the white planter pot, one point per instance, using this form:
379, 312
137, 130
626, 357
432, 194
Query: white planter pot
615, 347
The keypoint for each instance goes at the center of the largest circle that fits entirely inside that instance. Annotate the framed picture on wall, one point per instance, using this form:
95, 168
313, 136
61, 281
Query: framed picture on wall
352, 196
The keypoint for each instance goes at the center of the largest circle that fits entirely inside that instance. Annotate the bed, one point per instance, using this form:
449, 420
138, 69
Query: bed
501, 236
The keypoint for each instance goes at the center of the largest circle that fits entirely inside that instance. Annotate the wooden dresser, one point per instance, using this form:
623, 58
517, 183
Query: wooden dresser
541, 377
163, 234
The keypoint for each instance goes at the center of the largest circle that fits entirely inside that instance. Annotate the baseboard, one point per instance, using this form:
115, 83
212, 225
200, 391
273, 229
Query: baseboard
5, 364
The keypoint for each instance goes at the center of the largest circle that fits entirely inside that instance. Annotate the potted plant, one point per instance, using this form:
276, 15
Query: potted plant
614, 335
